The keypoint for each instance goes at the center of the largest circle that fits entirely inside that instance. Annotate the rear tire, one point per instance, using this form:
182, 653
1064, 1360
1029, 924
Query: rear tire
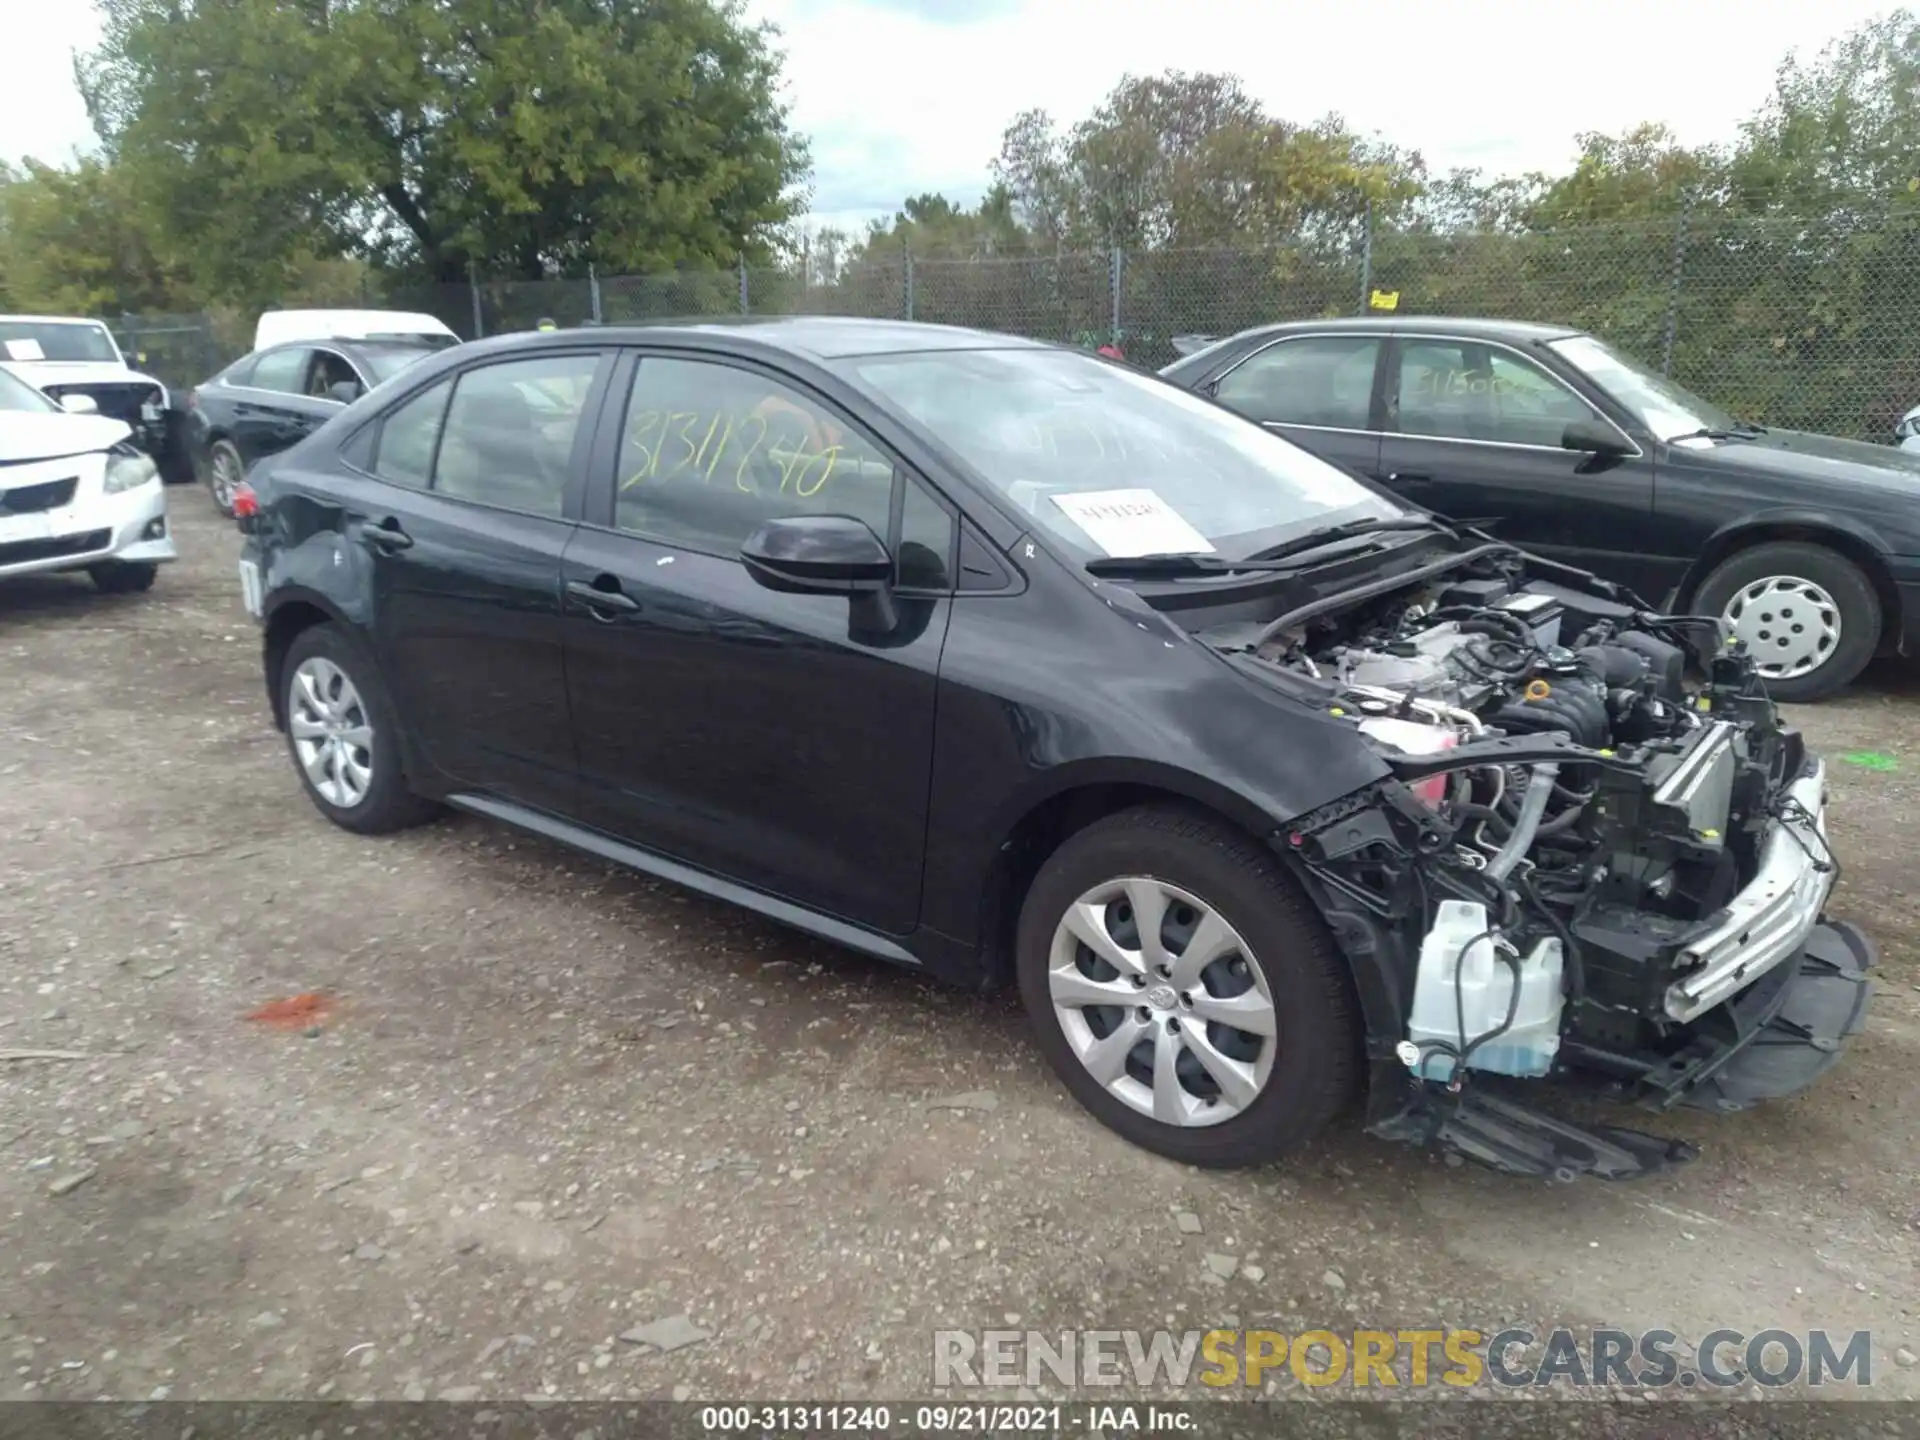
343, 737
1792, 603
120, 577
225, 471
1276, 967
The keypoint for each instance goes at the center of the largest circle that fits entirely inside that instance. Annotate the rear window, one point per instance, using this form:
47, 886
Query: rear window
26, 340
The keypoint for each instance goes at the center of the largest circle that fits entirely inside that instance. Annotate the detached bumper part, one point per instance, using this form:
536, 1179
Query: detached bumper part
1781, 1035
1772, 915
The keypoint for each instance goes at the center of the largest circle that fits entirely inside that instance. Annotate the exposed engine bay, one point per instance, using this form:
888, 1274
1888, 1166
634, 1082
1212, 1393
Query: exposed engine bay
1603, 854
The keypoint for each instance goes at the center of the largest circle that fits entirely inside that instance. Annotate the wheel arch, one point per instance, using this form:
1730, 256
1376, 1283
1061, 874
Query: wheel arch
1840, 536
1077, 796
294, 612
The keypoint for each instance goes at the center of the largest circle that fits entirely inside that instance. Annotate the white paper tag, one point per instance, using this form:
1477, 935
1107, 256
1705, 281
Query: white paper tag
25, 350
1132, 522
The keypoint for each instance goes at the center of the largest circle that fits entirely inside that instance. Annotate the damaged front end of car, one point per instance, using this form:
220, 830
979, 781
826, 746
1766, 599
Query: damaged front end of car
1601, 855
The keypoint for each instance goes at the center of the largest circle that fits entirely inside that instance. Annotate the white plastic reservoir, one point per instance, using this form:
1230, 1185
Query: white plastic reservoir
1484, 990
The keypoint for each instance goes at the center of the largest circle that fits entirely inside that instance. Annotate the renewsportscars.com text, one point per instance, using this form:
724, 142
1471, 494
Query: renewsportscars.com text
1460, 1358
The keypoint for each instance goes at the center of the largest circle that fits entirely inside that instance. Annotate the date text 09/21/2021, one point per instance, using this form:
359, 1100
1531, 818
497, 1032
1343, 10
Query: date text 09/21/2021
942, 1419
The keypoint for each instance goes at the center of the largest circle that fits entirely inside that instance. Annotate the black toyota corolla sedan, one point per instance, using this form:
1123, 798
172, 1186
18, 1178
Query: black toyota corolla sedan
273, 398
998, 660
1808, 546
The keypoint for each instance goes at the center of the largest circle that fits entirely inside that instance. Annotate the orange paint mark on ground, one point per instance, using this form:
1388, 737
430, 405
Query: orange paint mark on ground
296, 1012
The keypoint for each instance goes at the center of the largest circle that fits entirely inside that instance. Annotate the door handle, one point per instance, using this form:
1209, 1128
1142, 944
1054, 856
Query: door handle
603, 597
387, 535
1405, 477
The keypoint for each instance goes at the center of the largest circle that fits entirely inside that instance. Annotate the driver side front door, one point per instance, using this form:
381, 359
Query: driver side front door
756, 735
1473, 433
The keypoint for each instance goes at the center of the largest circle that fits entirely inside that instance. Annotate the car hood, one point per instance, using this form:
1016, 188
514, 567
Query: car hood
25, 436
1800, 454
41, 373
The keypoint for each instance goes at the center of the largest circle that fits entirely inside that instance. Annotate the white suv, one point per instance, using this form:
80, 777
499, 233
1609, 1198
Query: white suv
75, 495
64, 355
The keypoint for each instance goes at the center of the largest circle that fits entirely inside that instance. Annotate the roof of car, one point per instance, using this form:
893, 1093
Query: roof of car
1522, 331
823, 337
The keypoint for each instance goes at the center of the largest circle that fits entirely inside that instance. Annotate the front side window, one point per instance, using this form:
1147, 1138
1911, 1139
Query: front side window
329, 369
284, 371
710, 452
1074, 441
1666, 409
1462, 390
509, 433
1323, 380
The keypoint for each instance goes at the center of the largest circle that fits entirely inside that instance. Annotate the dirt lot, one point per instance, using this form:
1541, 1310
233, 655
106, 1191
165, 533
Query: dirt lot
556, 1101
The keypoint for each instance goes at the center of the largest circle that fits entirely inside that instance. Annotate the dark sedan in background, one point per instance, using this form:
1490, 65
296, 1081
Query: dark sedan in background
1809, 546
270, 400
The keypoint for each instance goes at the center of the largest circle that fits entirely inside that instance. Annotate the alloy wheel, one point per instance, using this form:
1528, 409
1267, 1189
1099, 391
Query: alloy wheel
225, 478
332, 732
1789, 624
1161, 1002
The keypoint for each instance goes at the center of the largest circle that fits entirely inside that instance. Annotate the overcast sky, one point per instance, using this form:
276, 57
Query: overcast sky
903, 96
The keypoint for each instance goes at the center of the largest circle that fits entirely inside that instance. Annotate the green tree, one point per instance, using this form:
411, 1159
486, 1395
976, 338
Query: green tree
529, 139
1839, 129
1184, 160
74, 242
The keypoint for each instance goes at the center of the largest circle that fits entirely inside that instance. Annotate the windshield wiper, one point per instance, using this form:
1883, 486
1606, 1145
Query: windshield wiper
1375, 525
1711, 432
1274, 558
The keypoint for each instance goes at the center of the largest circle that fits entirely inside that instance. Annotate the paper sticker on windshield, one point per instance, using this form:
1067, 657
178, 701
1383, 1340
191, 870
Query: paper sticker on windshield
1125, 523
25, 350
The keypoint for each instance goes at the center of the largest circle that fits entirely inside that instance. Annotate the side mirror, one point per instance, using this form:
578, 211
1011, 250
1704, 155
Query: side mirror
79, 405
1594, 439
824, 555
345, 391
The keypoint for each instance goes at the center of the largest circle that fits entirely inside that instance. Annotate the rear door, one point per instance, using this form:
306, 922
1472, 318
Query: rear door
471, 492
273, 411
1473, 433
758, 735
1319, 391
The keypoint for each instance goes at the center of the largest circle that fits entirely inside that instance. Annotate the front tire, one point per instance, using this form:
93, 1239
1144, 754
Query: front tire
1809, 617
342, 736
120, 577
1220, 1032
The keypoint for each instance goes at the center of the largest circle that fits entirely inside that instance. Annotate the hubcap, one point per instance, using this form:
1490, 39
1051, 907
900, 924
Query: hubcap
1161, 1001
1790, 625
226, 477
332, 735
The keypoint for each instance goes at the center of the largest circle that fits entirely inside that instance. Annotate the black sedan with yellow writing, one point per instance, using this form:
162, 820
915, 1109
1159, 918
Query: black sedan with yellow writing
1006, 662
1808, 546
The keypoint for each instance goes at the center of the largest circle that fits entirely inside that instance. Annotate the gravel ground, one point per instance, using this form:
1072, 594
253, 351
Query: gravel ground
553, 1102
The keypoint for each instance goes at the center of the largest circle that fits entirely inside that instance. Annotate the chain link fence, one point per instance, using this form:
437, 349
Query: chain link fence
1810, 323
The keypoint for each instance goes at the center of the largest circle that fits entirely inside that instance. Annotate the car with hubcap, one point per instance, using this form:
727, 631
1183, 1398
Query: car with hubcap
1808, 546
1000, 661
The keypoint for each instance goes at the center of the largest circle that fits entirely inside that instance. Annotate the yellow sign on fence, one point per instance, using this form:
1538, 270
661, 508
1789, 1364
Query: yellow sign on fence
1384, 300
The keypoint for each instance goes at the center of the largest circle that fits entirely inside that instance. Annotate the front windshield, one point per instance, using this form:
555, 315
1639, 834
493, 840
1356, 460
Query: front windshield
16, 395
1666, 409
1114, 462
55, 340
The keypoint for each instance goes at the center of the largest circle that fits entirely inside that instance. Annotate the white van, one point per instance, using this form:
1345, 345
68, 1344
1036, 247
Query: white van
277, 327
